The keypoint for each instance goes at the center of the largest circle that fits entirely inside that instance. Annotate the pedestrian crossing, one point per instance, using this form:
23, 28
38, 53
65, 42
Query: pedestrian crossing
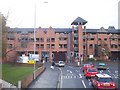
72, 76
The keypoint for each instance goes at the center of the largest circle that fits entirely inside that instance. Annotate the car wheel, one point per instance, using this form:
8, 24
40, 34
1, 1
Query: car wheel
86, 77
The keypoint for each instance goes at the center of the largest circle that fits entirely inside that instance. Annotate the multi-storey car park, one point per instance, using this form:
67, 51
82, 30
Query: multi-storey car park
67, 44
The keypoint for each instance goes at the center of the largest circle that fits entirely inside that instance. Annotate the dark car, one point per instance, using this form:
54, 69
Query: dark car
102, 66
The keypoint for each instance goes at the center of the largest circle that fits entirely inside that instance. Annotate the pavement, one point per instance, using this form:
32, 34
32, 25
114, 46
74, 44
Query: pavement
48, 79
4, 84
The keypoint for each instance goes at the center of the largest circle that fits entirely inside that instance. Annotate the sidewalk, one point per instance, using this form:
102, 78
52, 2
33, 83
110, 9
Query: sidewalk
48, 79
4, 84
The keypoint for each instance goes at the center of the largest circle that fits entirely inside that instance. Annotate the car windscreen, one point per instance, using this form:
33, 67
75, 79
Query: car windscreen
101, 64
105, 80
61, 62
92, 70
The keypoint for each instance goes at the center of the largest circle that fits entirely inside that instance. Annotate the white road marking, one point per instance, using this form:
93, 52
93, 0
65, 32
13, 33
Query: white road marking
70, 71
61, 77
90, 83
83, 84
116, 72
76, 70
80, 76
109, 71
74, 76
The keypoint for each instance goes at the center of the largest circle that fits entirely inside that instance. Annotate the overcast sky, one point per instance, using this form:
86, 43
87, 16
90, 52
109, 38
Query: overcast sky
60, 13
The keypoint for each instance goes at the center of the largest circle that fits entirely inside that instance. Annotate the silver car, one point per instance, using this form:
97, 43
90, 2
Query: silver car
60, 64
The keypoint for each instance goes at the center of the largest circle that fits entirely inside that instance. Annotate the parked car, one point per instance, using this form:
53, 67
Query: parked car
90, 72
102, 66
60, 64
85, 66
103, 81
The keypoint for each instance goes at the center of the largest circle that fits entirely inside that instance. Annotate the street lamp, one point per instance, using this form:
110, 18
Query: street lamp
35, 35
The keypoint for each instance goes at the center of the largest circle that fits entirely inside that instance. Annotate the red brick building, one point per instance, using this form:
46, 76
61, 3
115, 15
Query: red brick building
68, 44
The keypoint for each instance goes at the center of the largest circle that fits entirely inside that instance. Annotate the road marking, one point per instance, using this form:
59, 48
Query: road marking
116, 72
109, 71
76, 70
74, 76
61, 77
70, 71
83, 84
80, 75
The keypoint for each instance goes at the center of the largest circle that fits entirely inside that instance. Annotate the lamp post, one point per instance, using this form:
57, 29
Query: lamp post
35, 35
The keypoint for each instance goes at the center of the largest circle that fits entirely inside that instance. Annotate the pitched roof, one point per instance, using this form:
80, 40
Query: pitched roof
79, 21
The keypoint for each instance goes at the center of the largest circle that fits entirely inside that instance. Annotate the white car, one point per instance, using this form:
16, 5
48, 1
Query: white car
60, 64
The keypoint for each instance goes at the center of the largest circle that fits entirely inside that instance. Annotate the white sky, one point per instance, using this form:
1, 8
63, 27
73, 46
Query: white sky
60, 13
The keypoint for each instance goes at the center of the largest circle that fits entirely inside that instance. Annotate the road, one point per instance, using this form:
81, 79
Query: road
73, 77
70, 76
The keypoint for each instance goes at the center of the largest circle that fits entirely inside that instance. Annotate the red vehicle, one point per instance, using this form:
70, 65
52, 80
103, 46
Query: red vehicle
103, 81
85, 66
90, 72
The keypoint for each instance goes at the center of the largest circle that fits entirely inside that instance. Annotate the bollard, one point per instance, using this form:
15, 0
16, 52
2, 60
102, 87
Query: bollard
19, 84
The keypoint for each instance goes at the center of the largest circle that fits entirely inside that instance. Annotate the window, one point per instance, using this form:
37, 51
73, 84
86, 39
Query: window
24, 44
90, 46
53, 39
42, 39
10, 38
99, 38
105, 39
37, 45
114, 46
48, 45
42, 46
53, 46
48, 39
37, 39
65, 45
60, 45
65, 38
32, 39
92, 39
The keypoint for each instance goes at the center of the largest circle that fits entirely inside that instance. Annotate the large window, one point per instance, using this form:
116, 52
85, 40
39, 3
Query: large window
114, 46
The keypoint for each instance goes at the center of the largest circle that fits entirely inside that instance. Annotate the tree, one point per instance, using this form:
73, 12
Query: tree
103, 50
3, 36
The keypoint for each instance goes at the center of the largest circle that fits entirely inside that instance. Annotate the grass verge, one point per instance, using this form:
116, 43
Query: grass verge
13, 73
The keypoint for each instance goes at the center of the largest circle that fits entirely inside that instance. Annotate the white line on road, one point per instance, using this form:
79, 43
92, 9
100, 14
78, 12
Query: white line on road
83, 84
70, 71
60, 77
76, 70
109, 71
80, 75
